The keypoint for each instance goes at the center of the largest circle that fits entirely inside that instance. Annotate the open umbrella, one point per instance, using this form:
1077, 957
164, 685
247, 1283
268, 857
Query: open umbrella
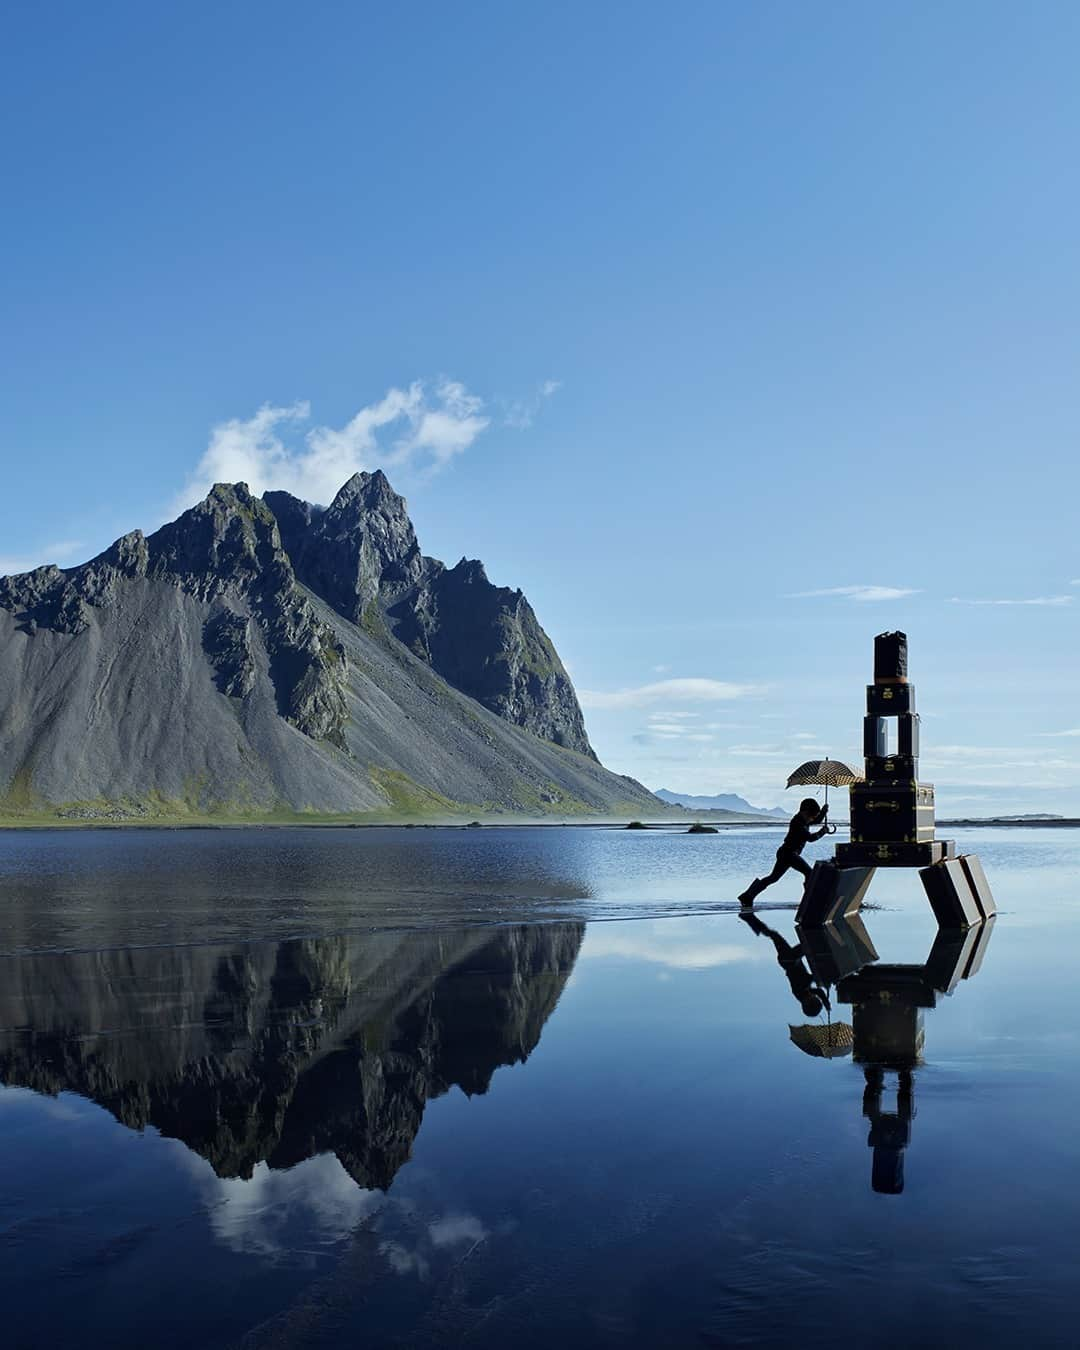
827, 1042
825, 773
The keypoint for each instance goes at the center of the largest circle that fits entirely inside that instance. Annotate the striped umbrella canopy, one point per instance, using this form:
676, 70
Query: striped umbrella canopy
827, 1042
826, 773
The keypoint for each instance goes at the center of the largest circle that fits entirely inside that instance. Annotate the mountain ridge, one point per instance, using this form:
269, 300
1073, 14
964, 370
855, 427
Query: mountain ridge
723, 801
263, 654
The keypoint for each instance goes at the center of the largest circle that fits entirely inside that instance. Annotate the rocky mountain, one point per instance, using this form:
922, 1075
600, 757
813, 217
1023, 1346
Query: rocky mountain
267, 654
362, 558
722, 801
278, 1051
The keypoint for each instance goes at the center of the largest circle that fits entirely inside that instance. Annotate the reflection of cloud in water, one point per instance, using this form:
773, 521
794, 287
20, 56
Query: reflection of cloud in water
666, 942
402, 1261
453, 1234
262, 1215
277, 1214
455, 1228
64, 1107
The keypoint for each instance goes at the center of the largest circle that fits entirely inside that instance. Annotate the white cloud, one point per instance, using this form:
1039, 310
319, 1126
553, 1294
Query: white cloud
521, 413
677, 732
420, 425
759, 751
1052, 600
863, 594
1075, 583
692, 690
60, 552
993, 766
1072, 731
661, 670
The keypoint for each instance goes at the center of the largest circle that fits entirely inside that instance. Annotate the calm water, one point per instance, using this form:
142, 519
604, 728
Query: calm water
522, 1087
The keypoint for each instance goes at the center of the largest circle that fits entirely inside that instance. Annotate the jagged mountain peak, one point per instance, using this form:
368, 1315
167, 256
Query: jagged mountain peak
229, 495
223, 505
230, 530
366, 487
471, 571
362, 557
360, 550
367, 502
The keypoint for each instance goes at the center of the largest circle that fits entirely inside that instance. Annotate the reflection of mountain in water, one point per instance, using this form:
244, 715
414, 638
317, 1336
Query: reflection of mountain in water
278, 1052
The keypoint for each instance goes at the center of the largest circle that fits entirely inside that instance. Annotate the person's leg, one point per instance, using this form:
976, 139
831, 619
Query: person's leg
875, 1084
783, 862
801, 865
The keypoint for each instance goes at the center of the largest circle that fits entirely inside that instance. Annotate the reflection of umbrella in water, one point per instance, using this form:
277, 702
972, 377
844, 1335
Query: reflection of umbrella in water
825, 773
827, 1042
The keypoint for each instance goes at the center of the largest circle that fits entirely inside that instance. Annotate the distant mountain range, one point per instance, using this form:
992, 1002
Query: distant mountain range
1032, 815
723, 801
264, 655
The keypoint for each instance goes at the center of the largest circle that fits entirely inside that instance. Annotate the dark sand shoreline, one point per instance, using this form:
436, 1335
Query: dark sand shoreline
607, 823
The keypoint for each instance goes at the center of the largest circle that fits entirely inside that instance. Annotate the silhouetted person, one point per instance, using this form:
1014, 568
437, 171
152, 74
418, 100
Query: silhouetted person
812, 998
789, 854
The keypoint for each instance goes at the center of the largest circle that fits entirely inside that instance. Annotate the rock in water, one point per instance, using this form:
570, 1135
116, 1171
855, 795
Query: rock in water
258, 653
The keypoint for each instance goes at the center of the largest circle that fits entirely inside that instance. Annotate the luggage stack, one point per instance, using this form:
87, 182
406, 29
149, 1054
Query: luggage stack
892, 816
892, 813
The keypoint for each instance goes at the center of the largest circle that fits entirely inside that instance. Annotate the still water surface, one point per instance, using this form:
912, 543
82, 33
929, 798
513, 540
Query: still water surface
492, 1087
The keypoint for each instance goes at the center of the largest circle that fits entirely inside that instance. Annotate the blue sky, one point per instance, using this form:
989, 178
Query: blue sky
674, 315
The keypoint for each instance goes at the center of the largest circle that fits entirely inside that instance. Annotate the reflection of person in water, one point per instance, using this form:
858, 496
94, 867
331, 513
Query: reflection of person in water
789, 854
890, 1131
812, 998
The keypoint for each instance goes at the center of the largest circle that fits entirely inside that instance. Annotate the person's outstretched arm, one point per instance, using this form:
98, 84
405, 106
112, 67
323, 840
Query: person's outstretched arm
811, 835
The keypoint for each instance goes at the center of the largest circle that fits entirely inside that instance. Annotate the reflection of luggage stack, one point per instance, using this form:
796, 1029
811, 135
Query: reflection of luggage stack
892, 813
